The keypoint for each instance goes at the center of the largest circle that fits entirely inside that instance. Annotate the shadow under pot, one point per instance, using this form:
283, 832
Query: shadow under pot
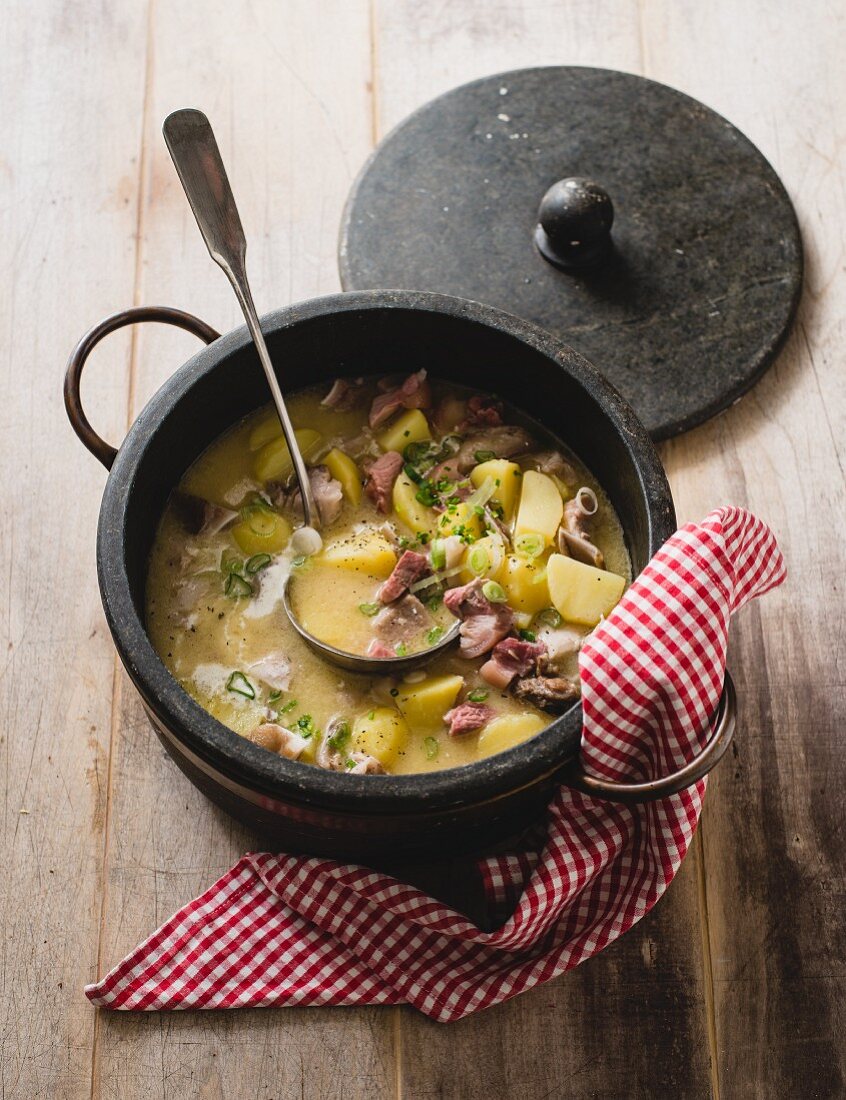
299, 807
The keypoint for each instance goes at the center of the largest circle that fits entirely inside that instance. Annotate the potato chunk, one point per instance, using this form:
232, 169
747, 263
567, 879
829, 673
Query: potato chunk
463, 522
507, 478
382, 733
541, 507
413, 514
424, 704
580, 593
366, 551
525, 584
508, 731
342, 467
411, 427
273, 460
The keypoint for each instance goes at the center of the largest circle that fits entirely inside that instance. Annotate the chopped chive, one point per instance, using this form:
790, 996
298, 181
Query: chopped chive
528, 635
289, 706
434, 602
401, 649
340, 735
371, 715
431, 746
240, 685
478, 696
368, 608
306, 725
434, 635
257, 562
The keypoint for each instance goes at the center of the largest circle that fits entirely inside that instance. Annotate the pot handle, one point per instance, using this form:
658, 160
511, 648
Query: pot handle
723, 727
102, 450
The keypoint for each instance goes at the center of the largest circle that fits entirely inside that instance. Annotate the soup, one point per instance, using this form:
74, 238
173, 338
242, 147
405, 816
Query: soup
438, 505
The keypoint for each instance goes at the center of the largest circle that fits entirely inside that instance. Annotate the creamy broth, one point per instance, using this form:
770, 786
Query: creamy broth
214, 610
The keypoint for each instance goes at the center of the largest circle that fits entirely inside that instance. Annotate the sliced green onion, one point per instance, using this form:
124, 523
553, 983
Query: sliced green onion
371, 715
230, 563
306, 725
289, 706
261, 519
274, 695
237, 586
540, 576
368, 608
550, 616
340, 736
401, 649
528, 635
478, 696
438, 554
412, 473
431, 746
494, 592
529, 545
256, 562
299, 561
426, 494
484, 456
240, 685
434, 602
479, 561
434, 635
483, 494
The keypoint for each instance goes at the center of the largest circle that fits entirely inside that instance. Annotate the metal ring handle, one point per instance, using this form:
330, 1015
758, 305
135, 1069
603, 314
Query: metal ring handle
722, 732
102, 450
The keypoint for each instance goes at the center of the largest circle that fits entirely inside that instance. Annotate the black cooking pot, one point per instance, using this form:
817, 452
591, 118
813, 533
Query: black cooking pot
300, 807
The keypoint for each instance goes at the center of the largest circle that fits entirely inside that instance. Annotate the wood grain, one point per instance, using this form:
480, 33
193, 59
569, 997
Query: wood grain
65, 261
735, 985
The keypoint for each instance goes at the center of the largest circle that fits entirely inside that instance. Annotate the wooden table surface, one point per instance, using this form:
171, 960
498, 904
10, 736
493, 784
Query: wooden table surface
735, 985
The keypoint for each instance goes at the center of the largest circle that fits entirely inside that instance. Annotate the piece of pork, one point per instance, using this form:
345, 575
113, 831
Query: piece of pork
401, 622
279, 739
574, 534
414, 393
552, 693
449, 413
201, 517
365, 765
552, 463
411, 567
561, 644
510, 658
482, 412
379, 649
381, 476
483, 623
327, 492
344, 394
467, 717
274, 669
502, 442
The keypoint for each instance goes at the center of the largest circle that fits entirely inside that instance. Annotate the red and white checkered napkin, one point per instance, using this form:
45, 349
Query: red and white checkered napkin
289, 930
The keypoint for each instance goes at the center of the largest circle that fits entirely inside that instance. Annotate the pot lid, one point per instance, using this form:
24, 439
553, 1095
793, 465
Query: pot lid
629, 220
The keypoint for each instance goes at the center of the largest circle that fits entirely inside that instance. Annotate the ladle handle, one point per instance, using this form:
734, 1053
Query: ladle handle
195, 154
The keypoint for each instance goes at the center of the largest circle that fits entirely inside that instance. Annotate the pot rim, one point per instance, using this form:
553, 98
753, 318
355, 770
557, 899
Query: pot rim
235, 756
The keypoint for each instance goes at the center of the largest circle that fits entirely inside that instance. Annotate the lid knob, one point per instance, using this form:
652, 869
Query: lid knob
574, 223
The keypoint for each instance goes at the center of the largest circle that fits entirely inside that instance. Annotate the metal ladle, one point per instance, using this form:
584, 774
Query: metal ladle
193, 149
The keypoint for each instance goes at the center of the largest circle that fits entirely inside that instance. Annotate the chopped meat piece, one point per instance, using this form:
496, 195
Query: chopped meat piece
467, 717
574, 533
274, 669
201, 517
381, 476
553, 693
503, 442
414, 393
270, 735
344, 394
447, 470
560, 643
482, 412
410, 568
483, 623
327, 492
365, 765
401, 621
511, 657
379, 649
449, 413
551, 462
